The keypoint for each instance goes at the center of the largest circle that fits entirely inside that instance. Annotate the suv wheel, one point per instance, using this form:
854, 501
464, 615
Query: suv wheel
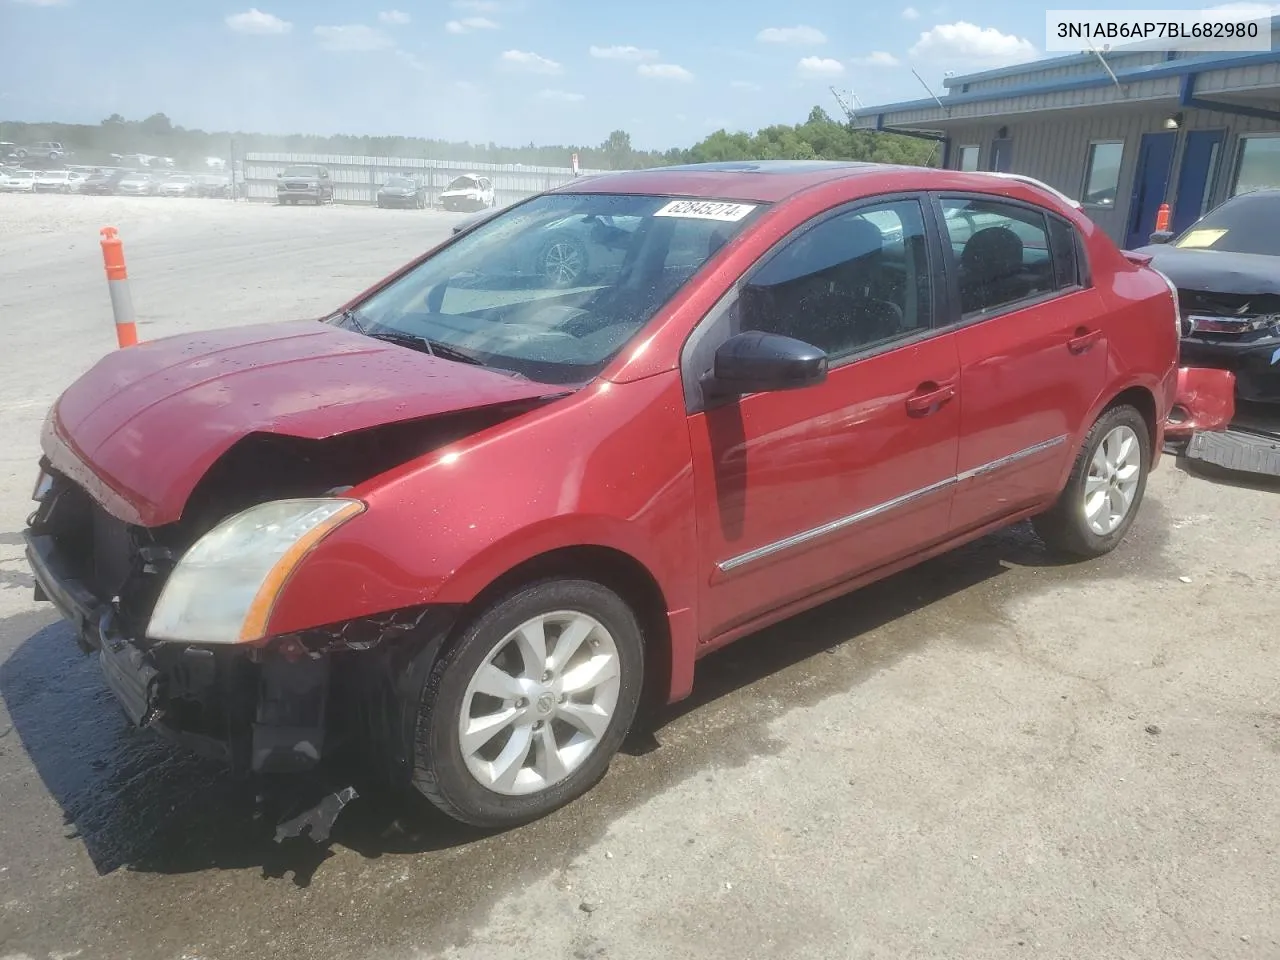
1106, 486
524, 711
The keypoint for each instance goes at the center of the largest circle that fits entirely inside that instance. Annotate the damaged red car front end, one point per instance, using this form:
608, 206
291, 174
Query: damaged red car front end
1205, 402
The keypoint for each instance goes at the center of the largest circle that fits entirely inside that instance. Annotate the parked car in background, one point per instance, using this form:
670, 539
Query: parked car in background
59, 181
214, 185
402, 192
138, 183
468, 192
1226, 268
103, 182
20, 181
463, 526
310, 183
177, 185
44, 149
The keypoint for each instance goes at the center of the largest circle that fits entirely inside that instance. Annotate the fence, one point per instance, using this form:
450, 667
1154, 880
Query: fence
356, 179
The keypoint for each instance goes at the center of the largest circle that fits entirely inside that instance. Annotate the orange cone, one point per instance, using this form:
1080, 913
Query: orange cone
118, 287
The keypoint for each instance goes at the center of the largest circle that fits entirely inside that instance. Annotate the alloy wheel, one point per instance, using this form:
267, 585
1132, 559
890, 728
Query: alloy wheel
562, 263
1112, 481
540, 702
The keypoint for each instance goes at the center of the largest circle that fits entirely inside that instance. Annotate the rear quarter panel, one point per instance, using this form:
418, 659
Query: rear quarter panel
1140, 317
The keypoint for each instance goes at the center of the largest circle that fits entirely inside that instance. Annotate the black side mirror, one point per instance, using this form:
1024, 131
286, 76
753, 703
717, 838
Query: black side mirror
757, 362
1161, 236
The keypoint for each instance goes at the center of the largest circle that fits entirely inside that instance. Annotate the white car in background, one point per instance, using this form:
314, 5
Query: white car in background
19, 181
59, 181
468, 192
178, 185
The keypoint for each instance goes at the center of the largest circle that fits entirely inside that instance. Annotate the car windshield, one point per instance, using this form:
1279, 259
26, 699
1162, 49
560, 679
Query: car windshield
554, 288
300, 172
398, 182
462, 183
1244, 224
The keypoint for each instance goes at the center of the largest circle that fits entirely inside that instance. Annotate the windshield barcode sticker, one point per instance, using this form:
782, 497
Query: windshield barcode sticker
706, 210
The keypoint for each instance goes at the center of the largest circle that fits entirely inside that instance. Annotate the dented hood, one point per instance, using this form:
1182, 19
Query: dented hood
143, 426
1216, 271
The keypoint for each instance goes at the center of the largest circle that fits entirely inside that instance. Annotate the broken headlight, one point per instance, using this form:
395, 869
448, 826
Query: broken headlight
224, 588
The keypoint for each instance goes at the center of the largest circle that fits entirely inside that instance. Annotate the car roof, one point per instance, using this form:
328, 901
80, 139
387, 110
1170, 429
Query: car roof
769, 181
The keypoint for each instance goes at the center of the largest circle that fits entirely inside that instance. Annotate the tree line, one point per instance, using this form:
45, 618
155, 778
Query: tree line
820, 137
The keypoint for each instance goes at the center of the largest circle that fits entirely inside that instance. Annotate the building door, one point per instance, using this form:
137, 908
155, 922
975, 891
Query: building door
1002, 155
1200, 157
1150, 181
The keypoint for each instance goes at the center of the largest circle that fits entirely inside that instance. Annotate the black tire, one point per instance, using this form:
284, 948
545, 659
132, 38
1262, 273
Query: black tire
1063, 527
440, 772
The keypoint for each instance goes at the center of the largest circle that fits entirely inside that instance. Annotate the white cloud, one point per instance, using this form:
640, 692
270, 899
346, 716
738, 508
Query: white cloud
800, 34
353, 38
560, 96
255, 21
968, 43
817, 68
467, 24
410, 61
664, 71
910, 13
394, 17
623, 53
529, 62
745, 85
877, 58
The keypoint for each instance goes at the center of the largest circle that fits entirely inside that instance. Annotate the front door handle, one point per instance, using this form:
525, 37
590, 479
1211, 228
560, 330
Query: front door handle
1083, 340
929, 397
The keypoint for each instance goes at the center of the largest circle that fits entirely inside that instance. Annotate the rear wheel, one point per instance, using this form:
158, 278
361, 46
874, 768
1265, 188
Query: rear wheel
524, 711
1105, 489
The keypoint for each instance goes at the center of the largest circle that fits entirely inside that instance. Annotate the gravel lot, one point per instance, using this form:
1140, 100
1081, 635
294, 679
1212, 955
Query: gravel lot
987, 757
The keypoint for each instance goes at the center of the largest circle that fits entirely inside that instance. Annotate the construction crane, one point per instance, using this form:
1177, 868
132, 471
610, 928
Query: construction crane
844, 103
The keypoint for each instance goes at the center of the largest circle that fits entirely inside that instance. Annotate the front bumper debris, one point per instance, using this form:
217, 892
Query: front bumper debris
1205, 402
1240, 451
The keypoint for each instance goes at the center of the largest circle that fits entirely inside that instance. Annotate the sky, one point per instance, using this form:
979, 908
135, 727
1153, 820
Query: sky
510, 72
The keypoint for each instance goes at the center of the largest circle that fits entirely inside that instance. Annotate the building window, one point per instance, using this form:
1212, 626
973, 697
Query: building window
1102, 174
968, 158
1259, 164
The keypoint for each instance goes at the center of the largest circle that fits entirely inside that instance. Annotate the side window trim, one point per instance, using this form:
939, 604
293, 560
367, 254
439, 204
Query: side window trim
952, 265
708, 328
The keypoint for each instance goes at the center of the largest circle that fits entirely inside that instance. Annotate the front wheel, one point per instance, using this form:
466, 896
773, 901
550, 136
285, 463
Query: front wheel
1106, 486
524, 711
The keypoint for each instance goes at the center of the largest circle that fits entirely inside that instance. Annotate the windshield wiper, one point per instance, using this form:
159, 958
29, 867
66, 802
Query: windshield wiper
414, 342
434, 347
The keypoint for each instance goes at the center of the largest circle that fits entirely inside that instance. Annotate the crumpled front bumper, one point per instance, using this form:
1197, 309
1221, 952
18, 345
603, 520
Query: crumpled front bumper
1206, 401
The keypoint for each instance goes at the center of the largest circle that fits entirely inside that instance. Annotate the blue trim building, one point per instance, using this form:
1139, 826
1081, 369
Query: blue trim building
1124, 131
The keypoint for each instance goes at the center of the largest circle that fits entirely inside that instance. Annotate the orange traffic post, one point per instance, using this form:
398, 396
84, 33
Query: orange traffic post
1162, 218
118, 287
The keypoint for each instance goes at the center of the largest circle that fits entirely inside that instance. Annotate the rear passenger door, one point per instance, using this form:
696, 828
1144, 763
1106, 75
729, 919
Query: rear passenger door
1032, 346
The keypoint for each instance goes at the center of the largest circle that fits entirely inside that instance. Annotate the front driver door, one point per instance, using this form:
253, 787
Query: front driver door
801, 490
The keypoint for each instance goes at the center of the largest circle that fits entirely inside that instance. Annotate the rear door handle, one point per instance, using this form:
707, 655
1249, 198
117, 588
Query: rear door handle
1083, 340
929, 397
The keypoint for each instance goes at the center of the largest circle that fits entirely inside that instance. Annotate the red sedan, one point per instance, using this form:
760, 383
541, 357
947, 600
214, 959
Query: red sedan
467, 523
